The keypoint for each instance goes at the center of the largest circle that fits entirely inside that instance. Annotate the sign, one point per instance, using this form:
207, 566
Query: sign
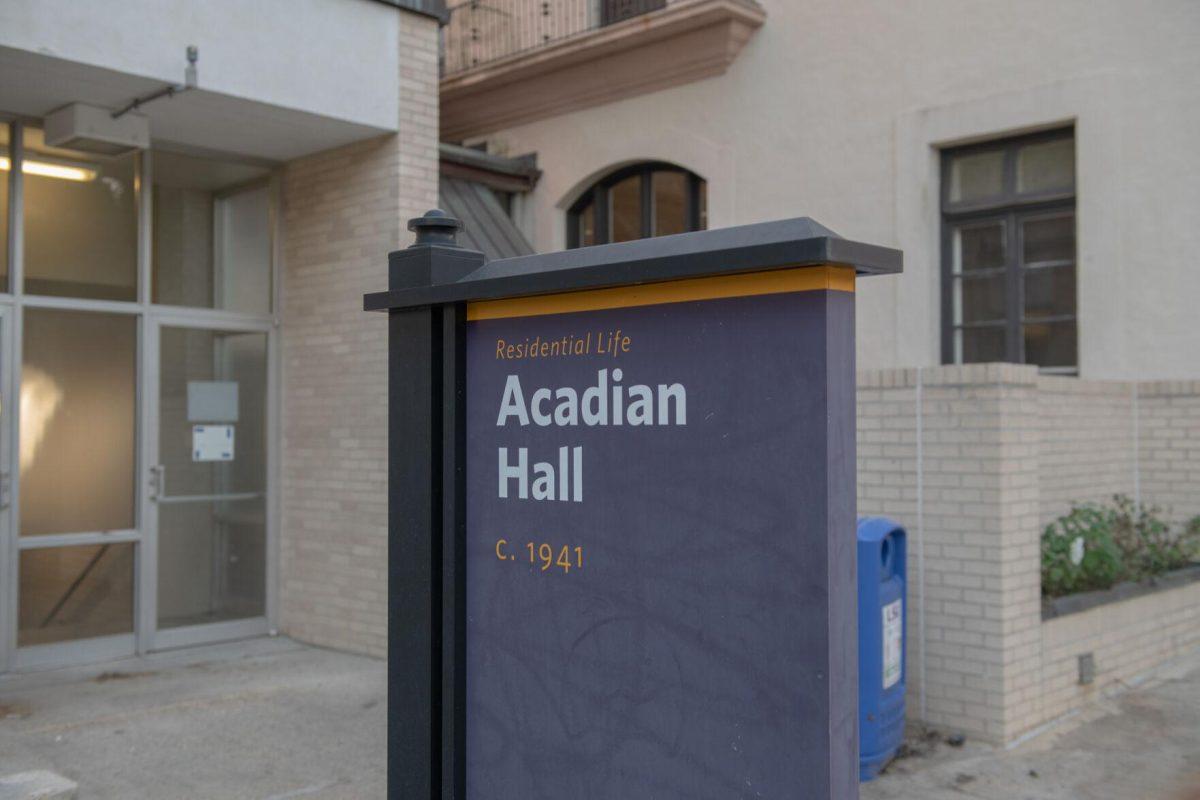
212, 401
621, 552
893, 642
212, 443
646, 542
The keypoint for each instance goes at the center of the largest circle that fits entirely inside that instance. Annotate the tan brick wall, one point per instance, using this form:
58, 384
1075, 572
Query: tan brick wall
1169, 446
1002, 452
1087, 451
343, 211
1125, 638
979, 532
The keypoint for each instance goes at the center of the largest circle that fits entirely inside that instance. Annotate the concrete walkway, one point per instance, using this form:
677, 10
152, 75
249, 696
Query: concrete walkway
1140, 744
273, 719
264, 719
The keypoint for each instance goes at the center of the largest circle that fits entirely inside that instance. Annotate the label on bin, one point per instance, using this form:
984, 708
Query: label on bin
893, 639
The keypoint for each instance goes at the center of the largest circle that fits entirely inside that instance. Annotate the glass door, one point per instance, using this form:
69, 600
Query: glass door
208, 484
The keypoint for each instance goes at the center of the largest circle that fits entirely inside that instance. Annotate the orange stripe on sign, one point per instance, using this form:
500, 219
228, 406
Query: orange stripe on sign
779, 281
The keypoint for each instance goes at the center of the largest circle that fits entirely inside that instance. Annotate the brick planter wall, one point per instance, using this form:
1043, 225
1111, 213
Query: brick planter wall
1001, 452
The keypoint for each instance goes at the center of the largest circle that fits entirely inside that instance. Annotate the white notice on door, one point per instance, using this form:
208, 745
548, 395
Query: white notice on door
893, 640
212, 443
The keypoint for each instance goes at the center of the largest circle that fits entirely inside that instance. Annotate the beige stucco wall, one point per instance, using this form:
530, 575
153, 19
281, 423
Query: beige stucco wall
343, 211
835, 109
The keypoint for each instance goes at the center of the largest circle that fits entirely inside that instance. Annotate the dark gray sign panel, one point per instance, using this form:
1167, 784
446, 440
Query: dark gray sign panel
621, 551
659, 545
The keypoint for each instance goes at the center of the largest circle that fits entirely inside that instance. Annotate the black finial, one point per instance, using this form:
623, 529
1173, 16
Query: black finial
436, 227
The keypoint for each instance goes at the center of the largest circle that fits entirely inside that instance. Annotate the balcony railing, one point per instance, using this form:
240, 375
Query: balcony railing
482, 31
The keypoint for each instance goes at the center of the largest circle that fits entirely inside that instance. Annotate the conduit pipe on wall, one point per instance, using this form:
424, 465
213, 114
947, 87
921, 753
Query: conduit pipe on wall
920, 538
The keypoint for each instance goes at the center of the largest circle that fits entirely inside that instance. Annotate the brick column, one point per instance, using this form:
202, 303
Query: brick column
344, 210
979, 487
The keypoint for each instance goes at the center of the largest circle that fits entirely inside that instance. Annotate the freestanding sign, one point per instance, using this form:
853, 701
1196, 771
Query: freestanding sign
622, 539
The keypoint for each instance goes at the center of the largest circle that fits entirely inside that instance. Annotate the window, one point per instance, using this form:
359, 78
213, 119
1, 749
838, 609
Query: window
652, 199
211, 234
81, 222
1008, 252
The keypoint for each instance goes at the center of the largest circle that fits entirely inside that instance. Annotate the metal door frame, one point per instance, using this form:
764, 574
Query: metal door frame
152, 637
149, 318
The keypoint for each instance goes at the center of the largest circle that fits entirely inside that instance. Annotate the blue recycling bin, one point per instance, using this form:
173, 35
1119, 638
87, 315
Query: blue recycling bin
882, 573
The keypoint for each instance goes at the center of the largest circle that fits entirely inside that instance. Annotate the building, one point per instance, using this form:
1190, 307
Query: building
192, 268
184, 248
1033, 162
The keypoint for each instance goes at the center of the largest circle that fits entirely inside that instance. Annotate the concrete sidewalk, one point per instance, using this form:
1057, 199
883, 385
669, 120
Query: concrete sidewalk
1137, 743
272, 719
263, 719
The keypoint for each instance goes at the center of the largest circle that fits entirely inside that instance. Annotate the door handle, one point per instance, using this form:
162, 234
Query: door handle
5, 489
158, 481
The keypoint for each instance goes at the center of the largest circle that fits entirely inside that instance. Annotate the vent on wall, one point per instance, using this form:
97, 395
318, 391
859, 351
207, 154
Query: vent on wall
93, 130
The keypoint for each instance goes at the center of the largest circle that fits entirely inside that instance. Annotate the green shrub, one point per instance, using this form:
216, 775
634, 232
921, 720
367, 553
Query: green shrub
1096, 546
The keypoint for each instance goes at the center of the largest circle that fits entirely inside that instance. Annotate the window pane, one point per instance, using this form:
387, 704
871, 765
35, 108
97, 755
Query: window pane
77, 422
212, 234
211, 561
587, 225
670, 202
625, 210
1046, 166
1050, 292
75, 593
980, 299
702, 204
191, 355
979, 247
977, 176
1048, 239
1050, 344
80, 222
211, 555
5, 167
975, 345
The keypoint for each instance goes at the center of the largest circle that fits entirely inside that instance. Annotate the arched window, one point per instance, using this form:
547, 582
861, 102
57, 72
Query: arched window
649, 199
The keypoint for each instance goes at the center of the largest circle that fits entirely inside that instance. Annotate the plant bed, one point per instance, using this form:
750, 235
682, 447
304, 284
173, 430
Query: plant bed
1053, 607
1099, 549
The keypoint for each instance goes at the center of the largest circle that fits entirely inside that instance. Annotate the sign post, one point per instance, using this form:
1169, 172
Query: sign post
622, 517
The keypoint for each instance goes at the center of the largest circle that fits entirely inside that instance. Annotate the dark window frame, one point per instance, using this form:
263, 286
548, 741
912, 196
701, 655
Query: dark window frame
1012, 209
597, 196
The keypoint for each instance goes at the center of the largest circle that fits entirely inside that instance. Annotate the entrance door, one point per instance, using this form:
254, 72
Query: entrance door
208, 503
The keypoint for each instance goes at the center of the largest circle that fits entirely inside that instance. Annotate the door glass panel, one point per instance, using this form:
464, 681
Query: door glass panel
977, 176
1046, 166
75, 593
670, 202
77, 422
80, 222
625, 209
5, 169
211, 561
212, 234
213, 450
